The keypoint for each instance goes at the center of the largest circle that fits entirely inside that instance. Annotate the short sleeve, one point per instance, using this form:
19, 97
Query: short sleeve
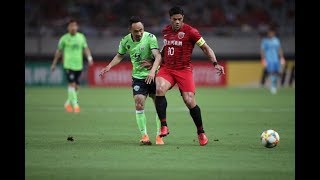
122, 49
153, 42
85, 44
196, 38
278, 42
61, 43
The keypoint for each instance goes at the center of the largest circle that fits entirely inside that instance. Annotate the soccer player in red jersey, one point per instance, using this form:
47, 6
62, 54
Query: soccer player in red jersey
179, 39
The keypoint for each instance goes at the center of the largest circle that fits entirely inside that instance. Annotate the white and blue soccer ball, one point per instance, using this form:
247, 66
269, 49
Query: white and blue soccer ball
270, 138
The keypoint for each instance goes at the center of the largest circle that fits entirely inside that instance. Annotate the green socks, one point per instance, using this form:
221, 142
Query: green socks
141, 121
158, 124
72, 96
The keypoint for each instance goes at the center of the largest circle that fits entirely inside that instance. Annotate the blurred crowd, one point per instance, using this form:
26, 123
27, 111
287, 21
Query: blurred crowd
110, 17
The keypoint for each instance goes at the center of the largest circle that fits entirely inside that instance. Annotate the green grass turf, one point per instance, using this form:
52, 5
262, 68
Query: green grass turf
106, 136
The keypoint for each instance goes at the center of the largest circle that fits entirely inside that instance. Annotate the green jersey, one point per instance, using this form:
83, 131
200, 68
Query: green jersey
72, 47
139, 51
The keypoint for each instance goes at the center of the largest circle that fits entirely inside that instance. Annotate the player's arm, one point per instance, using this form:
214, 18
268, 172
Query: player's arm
58, 53
116, 60
155, 66
282, 59
57, 56
87, 53
148, 64
161, 51
211, 55
262, 55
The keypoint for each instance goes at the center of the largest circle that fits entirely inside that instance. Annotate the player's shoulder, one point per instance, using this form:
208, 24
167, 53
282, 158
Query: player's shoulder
149, 35
126, 37
80, 34
277, 38
65, 35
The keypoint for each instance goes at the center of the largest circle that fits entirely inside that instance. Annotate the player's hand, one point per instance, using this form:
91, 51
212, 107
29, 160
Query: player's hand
220, 69
150, 77
146, 64
104, 70
53, 67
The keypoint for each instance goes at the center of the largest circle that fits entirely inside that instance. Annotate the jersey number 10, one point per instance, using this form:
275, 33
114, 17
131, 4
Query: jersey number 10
170, 51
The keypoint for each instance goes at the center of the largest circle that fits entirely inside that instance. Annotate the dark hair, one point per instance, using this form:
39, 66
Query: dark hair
134, 19
175, 10
272, 28
72, 21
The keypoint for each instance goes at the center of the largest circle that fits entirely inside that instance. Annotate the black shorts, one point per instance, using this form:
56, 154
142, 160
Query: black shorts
139, 86
73, 76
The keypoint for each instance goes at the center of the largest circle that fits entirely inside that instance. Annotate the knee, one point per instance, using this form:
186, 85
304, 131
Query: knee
73, 85
139, 103
189, 101
139, 106
160, 91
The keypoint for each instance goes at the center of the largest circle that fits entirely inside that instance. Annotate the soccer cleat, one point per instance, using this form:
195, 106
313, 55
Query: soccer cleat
68, 107
159, 140
273, 90
203, 140
145, 140
164, 131
76, 108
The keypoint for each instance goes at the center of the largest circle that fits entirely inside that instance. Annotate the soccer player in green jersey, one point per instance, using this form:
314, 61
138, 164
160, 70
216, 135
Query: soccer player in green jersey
141, 46
71, 46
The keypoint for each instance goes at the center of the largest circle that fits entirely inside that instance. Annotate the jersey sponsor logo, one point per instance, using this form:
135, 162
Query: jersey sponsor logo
136, 88
71, 76
172, 42
181, 35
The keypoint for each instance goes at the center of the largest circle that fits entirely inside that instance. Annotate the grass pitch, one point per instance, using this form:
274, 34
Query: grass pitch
106, 136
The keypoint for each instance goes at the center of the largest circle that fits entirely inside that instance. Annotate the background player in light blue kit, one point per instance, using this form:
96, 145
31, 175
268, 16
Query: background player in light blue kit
272, 56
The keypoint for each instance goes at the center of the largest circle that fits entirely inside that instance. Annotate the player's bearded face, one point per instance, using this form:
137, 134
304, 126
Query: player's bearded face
137, 30
176, 21
73, 28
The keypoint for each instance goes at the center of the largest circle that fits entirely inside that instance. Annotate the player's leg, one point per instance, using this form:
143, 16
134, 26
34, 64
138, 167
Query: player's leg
71, 88
187, 88
75, 101
139, 89
292, 74
159, 139
273, 69
264, 76
164, 81
78, 75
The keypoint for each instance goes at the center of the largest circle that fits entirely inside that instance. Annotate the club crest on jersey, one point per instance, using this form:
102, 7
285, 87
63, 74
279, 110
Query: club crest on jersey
141, 48
181, 35
136, 88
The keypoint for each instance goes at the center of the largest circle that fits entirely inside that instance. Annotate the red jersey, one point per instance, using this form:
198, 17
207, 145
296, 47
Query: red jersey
178, 46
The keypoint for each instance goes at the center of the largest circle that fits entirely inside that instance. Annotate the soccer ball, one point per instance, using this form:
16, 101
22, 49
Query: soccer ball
270, 138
